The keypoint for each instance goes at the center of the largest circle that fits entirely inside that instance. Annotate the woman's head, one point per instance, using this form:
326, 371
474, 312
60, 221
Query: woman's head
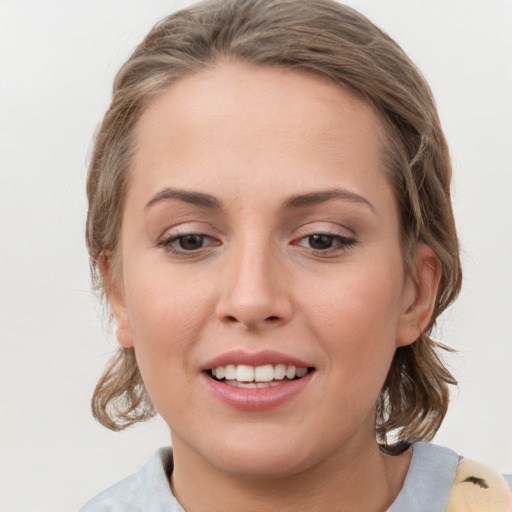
332, 43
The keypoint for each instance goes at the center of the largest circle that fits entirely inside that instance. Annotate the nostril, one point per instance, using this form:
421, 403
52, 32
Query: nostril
273, 318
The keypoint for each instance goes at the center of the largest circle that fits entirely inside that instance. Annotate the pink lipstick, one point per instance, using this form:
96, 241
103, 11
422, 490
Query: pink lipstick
256, 381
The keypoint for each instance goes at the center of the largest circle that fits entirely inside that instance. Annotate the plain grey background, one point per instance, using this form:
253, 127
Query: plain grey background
57, 62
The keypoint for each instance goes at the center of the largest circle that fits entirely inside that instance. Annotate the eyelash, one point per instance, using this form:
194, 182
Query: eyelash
169, 245
342, 243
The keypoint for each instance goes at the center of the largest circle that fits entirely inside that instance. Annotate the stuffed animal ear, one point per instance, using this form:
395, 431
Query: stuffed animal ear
113, 282
419, 296
478, 488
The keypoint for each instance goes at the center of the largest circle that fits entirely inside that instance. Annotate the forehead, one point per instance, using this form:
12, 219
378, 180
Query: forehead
282, 98
237, 123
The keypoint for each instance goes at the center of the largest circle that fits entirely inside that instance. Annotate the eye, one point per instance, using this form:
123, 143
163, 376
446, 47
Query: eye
187, 243
325, 242
191, 242
320, 242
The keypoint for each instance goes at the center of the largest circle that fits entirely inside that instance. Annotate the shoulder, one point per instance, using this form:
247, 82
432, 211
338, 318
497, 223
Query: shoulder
479, 488
148, 489
446, 482
123, 496
428, 480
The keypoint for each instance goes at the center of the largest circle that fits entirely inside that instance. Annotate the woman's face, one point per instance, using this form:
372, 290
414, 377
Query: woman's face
259, 234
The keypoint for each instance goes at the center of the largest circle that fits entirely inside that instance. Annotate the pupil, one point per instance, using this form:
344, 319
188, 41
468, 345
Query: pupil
320, 241
191, 242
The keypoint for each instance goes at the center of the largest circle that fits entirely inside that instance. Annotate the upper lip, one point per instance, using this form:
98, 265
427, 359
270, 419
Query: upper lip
260, 358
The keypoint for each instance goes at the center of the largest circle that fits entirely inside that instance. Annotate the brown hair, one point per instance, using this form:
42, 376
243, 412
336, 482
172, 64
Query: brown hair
339, 44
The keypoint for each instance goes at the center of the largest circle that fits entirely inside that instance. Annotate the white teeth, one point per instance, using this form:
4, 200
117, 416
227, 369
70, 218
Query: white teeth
300, 372
245, 373
263, 375
237, 384
230, 372
280, 371
290, 372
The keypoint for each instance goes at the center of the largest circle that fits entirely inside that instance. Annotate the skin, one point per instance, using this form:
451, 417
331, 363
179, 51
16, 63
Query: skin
253, 137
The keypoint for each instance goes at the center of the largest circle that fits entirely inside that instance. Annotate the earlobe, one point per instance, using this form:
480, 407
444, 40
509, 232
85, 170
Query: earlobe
419, 297
115, 293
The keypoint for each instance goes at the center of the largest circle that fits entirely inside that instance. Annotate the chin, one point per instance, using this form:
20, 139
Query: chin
261, 457
264, 464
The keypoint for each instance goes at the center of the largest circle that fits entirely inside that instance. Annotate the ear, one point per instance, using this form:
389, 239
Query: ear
115, 291
420, 294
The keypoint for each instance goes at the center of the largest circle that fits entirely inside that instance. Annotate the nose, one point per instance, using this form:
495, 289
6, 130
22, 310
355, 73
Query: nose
253, 294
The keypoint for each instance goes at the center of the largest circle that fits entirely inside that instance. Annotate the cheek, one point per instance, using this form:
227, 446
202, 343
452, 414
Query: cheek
355, 316
167, 314
166, 325
359, 299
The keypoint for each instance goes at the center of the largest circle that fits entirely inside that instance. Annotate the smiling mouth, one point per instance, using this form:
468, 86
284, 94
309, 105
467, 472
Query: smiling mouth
265, 376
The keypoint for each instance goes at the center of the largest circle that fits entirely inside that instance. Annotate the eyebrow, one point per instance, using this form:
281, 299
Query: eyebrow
322, 196
296, 201
195, 198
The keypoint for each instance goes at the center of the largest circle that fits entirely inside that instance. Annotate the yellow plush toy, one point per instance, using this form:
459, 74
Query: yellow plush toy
477, 488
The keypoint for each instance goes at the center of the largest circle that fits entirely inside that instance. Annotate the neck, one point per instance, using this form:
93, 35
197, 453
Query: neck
351, 479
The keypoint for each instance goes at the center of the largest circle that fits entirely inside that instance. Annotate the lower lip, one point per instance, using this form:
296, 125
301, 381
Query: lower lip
256, 399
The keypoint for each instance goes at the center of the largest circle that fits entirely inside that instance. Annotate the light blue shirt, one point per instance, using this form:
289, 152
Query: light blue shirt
427, 485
